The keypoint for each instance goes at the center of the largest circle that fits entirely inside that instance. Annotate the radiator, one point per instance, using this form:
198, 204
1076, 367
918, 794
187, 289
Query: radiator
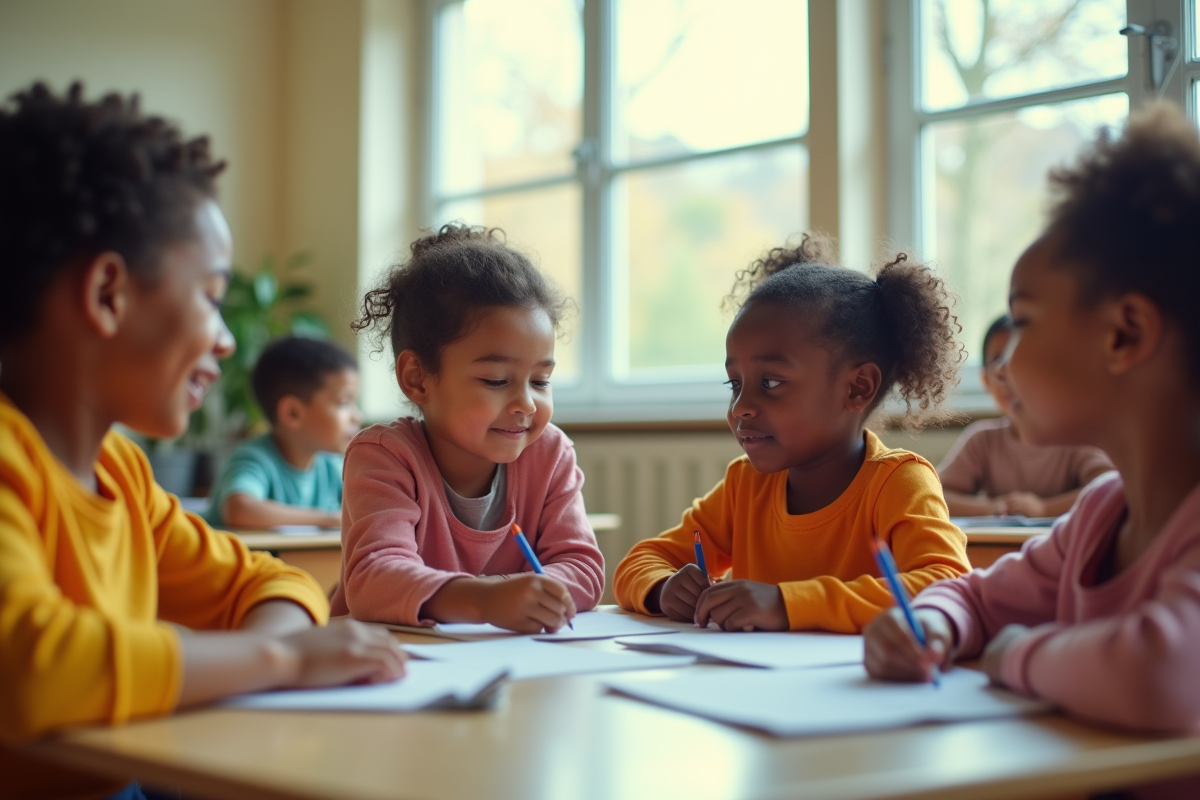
648, 479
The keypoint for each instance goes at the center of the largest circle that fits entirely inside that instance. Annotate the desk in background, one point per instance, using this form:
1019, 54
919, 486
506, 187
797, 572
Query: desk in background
985, 545
320, 554
569, 738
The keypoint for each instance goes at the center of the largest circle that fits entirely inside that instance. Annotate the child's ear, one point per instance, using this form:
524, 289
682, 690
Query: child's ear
290, 411
1135, 333
863, 386
412, 377
106, 282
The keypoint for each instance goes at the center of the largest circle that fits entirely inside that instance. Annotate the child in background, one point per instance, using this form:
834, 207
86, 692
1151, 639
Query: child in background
812, 352
114, 259
308, 390
992, 470
1102, 616
429, 502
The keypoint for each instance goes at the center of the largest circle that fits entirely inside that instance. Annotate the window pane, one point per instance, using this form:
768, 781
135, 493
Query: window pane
699, 75
972, 50
985, 200
543, 224
1195, 29
510, 84
680, 234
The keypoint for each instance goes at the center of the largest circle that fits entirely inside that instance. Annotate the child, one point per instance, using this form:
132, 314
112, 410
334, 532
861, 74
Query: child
114, 262
308, 390
812, 352
1102, 616
990, 458
429, 502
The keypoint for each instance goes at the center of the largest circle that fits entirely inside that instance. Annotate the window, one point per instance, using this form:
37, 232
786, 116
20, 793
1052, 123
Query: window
643, 152
1000, 91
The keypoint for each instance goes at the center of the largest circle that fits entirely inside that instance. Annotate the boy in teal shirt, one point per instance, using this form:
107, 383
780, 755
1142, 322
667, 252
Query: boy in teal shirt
308, 390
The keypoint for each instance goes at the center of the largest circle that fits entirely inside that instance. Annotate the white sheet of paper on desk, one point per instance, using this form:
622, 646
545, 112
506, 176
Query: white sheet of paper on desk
812, 702
525, 659
588, 625
757, 648
428, 684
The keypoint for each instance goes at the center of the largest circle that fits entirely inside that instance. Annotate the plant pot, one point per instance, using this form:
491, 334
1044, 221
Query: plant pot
174, 470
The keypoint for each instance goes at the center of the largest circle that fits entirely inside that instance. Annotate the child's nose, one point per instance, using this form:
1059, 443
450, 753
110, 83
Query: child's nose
523, 402
225, 344
741, 407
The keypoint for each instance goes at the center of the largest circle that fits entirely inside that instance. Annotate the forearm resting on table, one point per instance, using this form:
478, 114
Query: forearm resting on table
217, 665
277, 617
1060, 504
244, 511
459, 600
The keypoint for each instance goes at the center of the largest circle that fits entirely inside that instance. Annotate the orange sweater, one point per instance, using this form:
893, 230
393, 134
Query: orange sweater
822, 561
86, 581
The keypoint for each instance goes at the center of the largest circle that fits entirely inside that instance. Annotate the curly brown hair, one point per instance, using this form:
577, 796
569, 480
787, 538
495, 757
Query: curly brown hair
1126, 217
435, 297
902, 319
79, 178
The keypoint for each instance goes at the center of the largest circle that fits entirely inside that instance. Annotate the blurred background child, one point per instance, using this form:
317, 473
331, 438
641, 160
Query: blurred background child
992, 470
812, 353
472, 324
308, 391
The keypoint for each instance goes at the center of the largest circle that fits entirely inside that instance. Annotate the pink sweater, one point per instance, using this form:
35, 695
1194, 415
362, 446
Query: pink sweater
401, 542
1126, 652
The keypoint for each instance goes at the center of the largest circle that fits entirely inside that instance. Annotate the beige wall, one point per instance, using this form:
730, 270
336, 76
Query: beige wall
277, 84
212, 66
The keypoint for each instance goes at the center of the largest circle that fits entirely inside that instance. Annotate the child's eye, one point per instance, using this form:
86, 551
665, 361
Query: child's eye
494, 384
770, 383
734, 385
541, 384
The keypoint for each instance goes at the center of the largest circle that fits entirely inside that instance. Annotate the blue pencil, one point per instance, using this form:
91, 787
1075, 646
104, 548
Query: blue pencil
700, 554
887, 565
530, 556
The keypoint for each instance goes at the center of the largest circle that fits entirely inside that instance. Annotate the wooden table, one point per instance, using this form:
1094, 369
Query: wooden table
320, 553
568, 738
985, 545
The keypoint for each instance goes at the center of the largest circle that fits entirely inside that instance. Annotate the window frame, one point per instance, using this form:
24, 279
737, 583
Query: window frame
598, 395
906, 220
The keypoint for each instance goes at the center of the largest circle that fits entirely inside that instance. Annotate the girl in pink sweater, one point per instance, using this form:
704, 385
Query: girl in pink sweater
1102, 616
427, 503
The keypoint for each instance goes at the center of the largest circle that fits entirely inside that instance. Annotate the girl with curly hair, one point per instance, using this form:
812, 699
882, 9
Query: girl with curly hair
428, 503
813, 351
1102, 616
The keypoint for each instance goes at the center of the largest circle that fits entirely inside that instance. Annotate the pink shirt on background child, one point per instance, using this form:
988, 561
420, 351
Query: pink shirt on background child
1126, 652
401, 542
989, 457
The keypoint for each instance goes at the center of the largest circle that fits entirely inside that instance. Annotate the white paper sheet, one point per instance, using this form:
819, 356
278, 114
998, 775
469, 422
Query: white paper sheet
428, 684
588, 625
525, 658
758, 648
813, 702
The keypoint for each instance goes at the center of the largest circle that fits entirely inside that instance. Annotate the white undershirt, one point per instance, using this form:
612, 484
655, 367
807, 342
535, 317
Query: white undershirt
481, 513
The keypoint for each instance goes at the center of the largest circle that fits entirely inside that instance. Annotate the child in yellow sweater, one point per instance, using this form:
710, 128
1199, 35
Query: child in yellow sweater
114, 603
813, 351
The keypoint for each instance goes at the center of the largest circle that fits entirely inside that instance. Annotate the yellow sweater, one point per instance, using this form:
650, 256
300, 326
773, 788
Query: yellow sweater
821, 561
87, 585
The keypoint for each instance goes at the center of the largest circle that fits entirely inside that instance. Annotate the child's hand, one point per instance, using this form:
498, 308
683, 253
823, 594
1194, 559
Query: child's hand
893, 654
1026, 504
681, 591
742, 606
344, 652
997, 649
528, 603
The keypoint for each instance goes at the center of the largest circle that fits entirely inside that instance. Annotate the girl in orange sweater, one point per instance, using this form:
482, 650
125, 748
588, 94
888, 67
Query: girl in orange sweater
814, 350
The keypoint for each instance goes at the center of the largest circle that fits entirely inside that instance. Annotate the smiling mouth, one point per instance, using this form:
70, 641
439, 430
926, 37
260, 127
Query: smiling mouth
511, 433
752, 438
